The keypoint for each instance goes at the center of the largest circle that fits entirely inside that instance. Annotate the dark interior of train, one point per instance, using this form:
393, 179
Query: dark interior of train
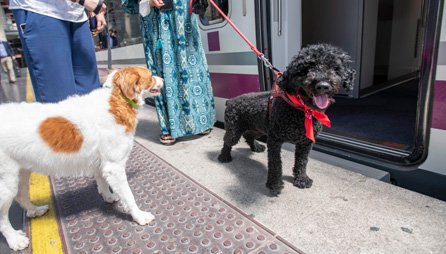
385, 45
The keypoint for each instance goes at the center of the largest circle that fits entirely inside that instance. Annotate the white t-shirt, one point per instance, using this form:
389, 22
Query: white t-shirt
59, 9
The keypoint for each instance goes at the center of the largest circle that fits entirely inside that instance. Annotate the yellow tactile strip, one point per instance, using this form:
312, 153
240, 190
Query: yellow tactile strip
29, 89
44, 230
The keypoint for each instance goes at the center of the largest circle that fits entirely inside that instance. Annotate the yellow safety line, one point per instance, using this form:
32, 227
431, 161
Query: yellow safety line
44, 230
29, 89
45, 237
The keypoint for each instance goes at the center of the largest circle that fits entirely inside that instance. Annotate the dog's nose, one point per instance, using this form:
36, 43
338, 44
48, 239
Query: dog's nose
322, 87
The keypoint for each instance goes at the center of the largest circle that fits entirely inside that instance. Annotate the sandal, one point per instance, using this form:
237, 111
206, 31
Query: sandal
167, 139
206, 132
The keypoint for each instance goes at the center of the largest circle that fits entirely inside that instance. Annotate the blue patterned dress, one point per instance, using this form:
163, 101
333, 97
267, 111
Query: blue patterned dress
174, 51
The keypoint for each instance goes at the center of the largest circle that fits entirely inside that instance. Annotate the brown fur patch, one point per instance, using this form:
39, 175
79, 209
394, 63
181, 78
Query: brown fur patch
61, 135
124, 114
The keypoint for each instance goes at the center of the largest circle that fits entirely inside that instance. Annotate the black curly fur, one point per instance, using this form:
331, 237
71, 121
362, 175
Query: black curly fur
316, 70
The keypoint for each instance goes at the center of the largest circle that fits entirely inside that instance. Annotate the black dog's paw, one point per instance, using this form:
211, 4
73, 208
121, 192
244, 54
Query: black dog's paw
223, 158
258, 148
275, 189
303, 182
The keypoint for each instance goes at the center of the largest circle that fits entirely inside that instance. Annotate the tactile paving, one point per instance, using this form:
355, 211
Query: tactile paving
188, 217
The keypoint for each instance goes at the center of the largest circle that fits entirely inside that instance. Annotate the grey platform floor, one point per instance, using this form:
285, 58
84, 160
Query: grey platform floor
344, 212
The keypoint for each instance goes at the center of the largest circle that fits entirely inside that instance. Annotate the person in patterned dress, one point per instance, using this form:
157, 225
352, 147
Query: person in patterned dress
174, 51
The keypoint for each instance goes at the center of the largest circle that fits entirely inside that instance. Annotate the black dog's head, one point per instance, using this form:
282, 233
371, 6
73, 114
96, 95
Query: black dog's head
317, 73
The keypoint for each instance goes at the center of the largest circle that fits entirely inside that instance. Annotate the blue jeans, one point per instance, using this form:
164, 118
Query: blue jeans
60, 56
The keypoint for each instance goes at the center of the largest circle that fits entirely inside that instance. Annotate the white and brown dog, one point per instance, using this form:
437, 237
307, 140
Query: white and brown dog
82, 135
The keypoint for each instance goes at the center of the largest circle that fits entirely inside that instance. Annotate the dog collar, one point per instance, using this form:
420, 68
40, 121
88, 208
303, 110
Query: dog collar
297, 102
132, 103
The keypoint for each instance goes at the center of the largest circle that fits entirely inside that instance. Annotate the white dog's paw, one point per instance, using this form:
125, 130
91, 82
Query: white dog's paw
17, 240
110, 198
143, 218
37, 211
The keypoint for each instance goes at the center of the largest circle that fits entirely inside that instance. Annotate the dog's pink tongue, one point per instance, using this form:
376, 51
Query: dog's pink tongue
321, 101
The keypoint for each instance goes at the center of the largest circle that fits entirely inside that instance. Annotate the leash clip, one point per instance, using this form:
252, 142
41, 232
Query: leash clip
266, 61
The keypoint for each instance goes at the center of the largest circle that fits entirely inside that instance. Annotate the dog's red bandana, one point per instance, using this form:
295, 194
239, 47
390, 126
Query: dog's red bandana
297, 102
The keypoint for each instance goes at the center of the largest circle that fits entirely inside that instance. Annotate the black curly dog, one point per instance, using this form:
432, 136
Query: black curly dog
316, 74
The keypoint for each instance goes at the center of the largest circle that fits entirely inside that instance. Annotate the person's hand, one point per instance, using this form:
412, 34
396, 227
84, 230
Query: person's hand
13, 58
101, 23
156, 3
92, 4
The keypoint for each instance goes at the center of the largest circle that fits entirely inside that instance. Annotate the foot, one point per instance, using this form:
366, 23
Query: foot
303, 182
37, 211
225, 158
143, 218
258, 148
17, 240
110, 198
206, 132
275, 189
167, 139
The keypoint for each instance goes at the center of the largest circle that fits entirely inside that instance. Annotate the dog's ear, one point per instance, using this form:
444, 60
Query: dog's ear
294, 74
349, 78
344, 68
125, 81
346, 71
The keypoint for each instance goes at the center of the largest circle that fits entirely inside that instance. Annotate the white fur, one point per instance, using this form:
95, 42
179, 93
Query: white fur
105, 149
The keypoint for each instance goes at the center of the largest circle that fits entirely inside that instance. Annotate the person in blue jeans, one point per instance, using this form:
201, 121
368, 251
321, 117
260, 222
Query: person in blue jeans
58, 45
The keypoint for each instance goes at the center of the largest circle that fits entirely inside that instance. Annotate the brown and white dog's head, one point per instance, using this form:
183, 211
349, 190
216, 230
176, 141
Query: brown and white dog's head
135, 83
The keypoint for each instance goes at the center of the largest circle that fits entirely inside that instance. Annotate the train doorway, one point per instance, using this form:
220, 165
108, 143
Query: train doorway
385, 39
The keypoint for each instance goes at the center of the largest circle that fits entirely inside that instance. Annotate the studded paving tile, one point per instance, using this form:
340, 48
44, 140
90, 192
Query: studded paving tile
188, 217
